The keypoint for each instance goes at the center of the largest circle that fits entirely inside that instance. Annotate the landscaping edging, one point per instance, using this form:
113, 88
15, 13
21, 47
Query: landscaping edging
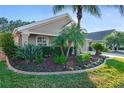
49, 73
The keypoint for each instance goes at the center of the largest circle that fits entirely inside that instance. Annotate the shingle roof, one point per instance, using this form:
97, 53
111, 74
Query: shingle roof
99, 35
42, 22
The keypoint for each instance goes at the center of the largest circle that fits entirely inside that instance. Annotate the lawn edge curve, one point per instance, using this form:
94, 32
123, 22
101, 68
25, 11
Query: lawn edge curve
51, 73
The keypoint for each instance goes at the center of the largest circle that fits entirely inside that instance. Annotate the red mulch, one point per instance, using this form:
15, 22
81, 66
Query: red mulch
49, 66
48, 63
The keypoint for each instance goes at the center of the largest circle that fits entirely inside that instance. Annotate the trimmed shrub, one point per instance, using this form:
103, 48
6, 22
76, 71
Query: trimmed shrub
121, 48
7, 44
49, 51
83, 58
60, 59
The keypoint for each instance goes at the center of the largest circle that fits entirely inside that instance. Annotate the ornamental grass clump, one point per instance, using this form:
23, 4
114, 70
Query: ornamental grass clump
31, 53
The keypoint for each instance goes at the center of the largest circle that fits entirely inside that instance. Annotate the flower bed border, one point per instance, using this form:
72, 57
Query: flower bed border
50, 73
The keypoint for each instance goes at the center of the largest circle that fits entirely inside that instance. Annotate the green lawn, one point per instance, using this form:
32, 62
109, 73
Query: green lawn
110, 75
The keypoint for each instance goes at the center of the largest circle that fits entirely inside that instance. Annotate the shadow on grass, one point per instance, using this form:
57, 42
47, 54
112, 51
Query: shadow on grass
116, 64
121, 86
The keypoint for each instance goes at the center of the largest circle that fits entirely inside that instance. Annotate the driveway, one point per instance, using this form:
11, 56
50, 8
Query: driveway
114, 54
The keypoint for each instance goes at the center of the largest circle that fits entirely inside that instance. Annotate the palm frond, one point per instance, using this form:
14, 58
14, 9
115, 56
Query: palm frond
59, 8
121, 9
92, 9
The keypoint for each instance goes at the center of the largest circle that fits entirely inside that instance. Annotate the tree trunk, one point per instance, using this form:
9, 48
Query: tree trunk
67, 54
79, 16
97, 53
62, 51
69, 47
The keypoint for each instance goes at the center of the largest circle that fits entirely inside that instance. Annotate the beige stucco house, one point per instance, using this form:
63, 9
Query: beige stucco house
44, 31
41, 32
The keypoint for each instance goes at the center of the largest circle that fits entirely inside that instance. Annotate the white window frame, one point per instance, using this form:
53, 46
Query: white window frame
47, 40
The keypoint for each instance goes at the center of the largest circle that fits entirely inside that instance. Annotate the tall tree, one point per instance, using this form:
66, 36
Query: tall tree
9, 26
79, 9
3, 20
114, 40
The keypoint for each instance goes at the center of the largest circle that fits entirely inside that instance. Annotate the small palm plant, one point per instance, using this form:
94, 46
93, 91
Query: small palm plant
70, 36
74, 37
60, 41
98, 48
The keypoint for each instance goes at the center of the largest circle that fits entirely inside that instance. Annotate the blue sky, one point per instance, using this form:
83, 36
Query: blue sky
110, 19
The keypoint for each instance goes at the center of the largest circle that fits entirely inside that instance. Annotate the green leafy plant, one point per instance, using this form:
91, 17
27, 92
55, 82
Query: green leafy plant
98, 48
31, 53
86, 56
83, 58
106, 50
60, 59
7, 44
38, 58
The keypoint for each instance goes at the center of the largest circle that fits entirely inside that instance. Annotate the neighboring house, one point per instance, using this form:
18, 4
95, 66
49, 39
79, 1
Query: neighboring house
44, 31
95, 37
41, 32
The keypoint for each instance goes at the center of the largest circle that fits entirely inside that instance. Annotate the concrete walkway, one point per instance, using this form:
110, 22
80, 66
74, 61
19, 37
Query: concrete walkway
114, 54
121, 55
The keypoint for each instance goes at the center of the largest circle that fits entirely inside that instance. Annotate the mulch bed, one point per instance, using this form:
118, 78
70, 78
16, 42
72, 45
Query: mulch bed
49, 66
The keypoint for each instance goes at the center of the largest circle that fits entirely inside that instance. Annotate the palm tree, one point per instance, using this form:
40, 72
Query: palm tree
60, 41
73, 37
92, 9
70, 36
79, 9
114, 40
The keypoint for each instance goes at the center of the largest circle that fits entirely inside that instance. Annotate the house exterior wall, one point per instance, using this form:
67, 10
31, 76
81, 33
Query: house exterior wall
17, 39
33, 39
86, 45
49, 29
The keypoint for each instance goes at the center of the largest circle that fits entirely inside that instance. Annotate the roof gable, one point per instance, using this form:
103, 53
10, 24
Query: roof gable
33, 25
99, 35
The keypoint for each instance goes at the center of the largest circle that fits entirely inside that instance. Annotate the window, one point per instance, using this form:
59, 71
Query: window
42, 41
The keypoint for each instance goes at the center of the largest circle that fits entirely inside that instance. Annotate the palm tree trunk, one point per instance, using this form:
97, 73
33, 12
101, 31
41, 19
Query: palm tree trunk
62, 51
69, 47
67, 54
79, 16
